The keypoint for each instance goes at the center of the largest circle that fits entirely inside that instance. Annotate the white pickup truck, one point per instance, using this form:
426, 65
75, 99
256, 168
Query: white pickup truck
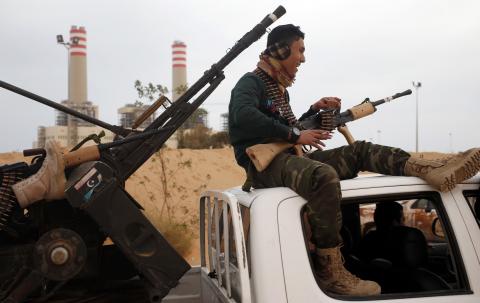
255, 246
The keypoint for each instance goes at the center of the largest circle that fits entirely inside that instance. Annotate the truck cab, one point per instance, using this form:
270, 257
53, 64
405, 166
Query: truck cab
255, 247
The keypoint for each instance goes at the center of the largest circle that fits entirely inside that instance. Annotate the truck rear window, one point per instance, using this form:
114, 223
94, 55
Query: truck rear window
404, 243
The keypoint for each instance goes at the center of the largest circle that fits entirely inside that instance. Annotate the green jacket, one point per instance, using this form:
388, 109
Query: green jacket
252, 117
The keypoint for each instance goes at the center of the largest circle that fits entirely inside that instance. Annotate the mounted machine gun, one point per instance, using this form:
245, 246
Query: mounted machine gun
55, 246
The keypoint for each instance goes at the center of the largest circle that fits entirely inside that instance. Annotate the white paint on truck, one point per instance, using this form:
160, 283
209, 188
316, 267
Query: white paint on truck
279, 267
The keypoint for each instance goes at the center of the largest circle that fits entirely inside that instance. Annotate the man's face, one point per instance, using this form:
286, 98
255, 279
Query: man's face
297, 57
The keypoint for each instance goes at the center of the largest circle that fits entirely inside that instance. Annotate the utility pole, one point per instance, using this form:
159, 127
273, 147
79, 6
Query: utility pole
416, 85
67, 45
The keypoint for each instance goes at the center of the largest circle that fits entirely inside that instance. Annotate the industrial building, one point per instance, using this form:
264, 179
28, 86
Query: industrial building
69, 130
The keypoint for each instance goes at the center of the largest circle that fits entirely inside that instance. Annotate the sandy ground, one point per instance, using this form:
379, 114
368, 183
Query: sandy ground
169, 184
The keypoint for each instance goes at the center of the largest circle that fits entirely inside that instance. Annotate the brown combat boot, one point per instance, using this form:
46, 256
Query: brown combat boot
445, 174
48, 183
336, 279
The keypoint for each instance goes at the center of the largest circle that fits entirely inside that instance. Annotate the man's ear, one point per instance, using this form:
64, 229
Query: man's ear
279, 50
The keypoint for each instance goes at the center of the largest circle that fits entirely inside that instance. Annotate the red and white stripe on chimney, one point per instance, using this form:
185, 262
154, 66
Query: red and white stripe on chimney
78, 41
179, 68
77, 65
179, 54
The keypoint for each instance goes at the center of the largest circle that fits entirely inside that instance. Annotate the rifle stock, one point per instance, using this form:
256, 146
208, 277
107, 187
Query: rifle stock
72, 158
81, 155
262, 154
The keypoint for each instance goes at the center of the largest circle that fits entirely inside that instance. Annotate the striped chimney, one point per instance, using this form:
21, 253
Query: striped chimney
179, 69
77, 67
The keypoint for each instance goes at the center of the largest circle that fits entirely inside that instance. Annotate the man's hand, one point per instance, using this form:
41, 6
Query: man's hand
327, 103
313, 137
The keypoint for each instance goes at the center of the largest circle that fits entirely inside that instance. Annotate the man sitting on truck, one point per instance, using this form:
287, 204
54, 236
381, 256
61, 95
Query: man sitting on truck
260, 112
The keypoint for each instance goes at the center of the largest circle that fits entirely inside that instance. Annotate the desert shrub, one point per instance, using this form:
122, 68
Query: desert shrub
178, 234
201, 137
219, 140
195, 138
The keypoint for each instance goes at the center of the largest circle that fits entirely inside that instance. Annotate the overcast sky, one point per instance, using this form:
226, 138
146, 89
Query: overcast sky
354, 49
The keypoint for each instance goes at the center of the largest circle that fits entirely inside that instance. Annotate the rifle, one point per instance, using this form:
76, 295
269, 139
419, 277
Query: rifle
262, 154
95, 186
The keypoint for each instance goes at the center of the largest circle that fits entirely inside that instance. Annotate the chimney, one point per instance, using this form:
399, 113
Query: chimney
77, 66
179, 69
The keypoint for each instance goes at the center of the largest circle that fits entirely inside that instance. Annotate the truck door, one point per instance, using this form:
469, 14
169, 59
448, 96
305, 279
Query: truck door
457, 269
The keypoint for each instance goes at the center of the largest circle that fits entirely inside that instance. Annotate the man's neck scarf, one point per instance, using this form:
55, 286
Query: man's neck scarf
275, 70
275, 88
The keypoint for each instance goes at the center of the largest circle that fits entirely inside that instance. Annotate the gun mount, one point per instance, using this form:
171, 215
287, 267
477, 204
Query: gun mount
55, 250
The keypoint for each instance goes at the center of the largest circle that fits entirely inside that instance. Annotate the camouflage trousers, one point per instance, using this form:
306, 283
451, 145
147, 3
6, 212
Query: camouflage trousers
316, 177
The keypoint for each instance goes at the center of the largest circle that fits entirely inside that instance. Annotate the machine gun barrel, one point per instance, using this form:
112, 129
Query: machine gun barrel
216, 69
129, 155
132, 156
113, 128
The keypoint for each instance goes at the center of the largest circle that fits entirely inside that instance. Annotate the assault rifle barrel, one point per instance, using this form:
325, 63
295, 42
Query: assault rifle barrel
347, 115
113, 128
359, 111
388, 99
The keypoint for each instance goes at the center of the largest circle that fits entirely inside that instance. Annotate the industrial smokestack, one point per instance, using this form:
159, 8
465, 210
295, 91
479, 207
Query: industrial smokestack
69, 130
179, 69
77, 67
